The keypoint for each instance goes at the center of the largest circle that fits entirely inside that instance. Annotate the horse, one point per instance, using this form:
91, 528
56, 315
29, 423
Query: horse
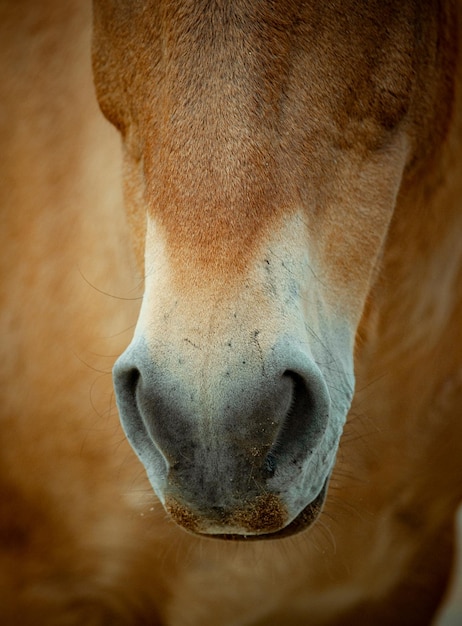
236, 228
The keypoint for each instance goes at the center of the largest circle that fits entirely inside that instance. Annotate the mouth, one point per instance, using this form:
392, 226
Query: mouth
303, 520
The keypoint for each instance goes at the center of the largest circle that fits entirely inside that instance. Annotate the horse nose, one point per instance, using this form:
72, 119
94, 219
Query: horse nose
216, 441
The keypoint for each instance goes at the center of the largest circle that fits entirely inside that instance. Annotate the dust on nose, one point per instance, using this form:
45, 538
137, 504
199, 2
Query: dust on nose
265, 514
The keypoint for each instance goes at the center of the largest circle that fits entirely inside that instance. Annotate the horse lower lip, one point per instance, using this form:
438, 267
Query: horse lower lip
303, 520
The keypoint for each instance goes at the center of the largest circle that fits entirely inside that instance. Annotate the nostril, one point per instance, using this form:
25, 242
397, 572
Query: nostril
300, 409
135, 410
132, 377
126, 383
302, 427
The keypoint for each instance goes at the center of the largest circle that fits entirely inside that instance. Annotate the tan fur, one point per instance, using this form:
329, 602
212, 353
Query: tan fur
83, 539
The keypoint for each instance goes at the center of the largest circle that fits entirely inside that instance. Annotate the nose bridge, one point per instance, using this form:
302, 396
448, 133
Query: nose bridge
223, 327
223, 372
226, 350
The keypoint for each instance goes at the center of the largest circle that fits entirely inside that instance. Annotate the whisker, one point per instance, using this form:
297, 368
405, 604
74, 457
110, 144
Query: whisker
106, 293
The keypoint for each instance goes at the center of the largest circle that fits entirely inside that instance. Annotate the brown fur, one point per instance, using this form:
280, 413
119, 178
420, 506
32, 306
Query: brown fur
83, 540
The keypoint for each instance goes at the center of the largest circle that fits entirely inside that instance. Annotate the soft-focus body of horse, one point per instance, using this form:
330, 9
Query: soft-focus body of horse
281, 283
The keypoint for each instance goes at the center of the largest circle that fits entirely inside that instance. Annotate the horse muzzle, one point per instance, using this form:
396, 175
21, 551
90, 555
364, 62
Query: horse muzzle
235, 445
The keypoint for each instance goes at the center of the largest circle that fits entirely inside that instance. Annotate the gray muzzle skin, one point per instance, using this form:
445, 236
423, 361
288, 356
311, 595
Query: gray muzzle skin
241, 450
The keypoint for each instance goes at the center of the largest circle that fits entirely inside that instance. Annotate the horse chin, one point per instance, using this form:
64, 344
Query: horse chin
304, 519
